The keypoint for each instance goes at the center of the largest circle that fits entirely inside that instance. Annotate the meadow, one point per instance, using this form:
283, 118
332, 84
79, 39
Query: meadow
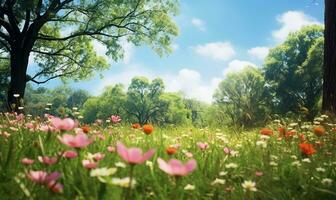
54, 158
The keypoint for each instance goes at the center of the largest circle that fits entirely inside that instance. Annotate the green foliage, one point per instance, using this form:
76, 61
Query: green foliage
293, 70
197, 111
242, 97
4, 81
144, 100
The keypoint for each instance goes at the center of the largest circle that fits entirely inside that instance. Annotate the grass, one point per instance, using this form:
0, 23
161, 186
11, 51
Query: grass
286, 172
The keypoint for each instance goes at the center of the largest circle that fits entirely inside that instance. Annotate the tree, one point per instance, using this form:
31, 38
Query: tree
176, 112
242, 95
143, 99
4, 80
77, 98
60, 35
329, 71
293, 71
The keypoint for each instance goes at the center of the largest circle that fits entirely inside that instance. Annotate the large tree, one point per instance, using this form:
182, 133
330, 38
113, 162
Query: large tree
329, 73
60, 35
293, 71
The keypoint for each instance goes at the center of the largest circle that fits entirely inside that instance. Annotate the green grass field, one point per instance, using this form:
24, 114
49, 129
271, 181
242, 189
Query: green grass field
276, 164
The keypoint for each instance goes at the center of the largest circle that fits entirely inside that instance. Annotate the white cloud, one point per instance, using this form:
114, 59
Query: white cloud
292, 21
258, 52
187, 81
198, 23
217, 50
236, 66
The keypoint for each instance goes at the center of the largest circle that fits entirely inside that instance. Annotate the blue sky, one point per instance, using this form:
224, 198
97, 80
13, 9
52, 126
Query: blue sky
216, 37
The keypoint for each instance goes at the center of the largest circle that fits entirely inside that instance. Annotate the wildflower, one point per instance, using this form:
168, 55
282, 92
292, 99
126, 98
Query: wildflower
120, 165
203, 145
148, 129
115, 119
266, 131
86, 128
223, 173
319, 130
307, 149
66, 124
176, 168
43, 177
16, 95
259, 173
47, 160
294, 157
320, 169
81, 140
249, 186
98, 156
290, 133
293, 124
124, 182
111, 149
218, 181
231, 166
327, 181
263, 144
274, 164
136, 126
281, 130
189, 187
70, 154
89, 164
102, 172
296, 163
149, 164
171, 150
27, 161
265, 137
133, 155
306, 160
55, 187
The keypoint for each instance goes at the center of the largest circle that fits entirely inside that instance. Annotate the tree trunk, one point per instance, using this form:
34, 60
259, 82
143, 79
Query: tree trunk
18, 63
329, 73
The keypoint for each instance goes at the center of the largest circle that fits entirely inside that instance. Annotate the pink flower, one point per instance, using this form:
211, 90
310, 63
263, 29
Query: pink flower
27, 161
203, 146
55, 187
70, 154
98, 156
258, 173
30, 126
89, 164
66, 124
133, 155
188, 154
46, 128
111, 149
81, 140
115, 118
176, 168
47, 160
43, 177
227, 150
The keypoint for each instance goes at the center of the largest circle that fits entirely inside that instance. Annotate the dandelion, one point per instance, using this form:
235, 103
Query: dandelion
249, 186
189, 187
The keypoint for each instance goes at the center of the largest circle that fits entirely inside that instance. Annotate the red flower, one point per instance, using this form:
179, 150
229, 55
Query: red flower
281, 130
86, 129
307, 149
148, 129
171, 150
266, 131
302, 137
136, 126
290, 133
319, 130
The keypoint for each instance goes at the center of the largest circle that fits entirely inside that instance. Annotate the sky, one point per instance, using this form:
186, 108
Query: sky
216, 37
